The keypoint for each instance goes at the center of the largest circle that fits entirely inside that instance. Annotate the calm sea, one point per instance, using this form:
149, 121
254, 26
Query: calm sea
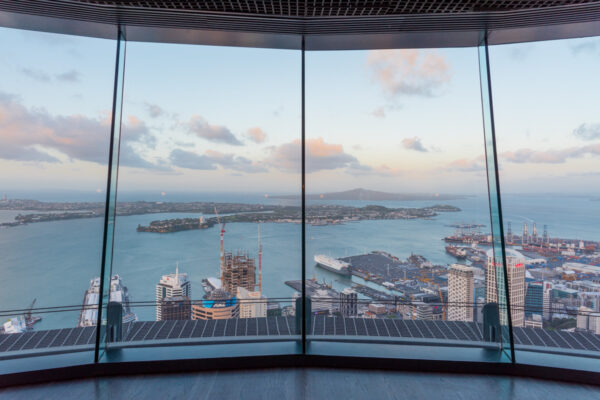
54, 261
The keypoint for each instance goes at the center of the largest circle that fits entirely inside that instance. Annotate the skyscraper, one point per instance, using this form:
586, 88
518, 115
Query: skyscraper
460, 293
252, 304
534, 299
516, 285
176, 308
348, 303
171, 285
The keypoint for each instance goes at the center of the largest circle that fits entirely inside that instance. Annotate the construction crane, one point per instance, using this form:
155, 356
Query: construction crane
222, 254
259, 262
29, 319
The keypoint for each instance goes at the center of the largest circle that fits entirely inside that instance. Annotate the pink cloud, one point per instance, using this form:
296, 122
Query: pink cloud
409, 71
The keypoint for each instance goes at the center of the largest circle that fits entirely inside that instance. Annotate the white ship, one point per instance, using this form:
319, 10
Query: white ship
333, 265
118, 293
14, 325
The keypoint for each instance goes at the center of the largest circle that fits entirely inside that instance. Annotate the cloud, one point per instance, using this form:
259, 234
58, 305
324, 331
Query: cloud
135, 130
236, 163
549, 156
214, 133
256, 135
379, 112
36, 74
190, 160
29, 134
589, 46
413, 143
213, 159
69, 76
25, 133
587, 131
409, 72
319, 156
467, 165
154, 110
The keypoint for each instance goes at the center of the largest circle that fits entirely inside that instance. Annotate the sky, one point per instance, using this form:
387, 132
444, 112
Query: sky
223, 119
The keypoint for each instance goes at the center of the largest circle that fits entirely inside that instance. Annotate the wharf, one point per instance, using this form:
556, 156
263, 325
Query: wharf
312, 286
373, 293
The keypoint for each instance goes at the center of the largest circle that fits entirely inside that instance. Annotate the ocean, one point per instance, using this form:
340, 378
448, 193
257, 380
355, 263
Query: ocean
55, 261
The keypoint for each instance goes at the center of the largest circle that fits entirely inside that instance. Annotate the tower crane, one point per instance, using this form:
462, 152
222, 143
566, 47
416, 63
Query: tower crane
222, 254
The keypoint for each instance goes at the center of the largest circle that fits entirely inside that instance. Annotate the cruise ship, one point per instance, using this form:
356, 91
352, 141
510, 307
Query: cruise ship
333, 265
118, 293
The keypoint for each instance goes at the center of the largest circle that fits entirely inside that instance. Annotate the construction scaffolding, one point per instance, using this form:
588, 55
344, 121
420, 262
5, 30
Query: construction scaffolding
238, 270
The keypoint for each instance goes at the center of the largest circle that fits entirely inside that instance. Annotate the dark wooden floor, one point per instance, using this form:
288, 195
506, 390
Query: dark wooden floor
305, 383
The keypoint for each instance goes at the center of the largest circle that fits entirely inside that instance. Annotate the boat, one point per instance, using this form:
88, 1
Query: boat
14, 325
457, 252
333, 265
118, 293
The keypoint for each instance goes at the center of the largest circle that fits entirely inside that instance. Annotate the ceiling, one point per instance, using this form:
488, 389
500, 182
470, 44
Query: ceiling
339, 8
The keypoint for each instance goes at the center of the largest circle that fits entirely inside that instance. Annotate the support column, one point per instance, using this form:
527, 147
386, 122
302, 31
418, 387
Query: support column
303, 203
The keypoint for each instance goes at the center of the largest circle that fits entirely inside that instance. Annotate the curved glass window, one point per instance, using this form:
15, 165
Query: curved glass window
208, 229
55, 115
548, 144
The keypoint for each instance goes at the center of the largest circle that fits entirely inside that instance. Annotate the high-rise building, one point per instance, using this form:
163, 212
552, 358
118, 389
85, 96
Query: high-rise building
460, 293
516, 285
348, 303
218, 304
171, 285
547, 299
176, 308
534, 299
238, 271
252, 304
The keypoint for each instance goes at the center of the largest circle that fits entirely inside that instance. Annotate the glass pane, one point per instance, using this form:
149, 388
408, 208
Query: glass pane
108, 330
398, 216
548, 138
55, 108
496, 270
208, 236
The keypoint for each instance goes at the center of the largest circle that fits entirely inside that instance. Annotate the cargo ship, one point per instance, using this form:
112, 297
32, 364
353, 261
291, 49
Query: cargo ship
333, 265
118, 293
457, 252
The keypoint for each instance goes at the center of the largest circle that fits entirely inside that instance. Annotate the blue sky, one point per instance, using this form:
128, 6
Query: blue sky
222, 119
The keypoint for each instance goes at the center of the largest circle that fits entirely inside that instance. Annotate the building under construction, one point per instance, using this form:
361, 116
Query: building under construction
238, 270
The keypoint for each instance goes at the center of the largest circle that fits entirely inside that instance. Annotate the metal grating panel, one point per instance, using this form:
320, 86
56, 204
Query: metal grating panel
336, 8
187, 329
333, 17
282, 326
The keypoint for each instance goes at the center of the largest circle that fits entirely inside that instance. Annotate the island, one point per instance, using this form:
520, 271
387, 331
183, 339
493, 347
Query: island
316, 215
324, 214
